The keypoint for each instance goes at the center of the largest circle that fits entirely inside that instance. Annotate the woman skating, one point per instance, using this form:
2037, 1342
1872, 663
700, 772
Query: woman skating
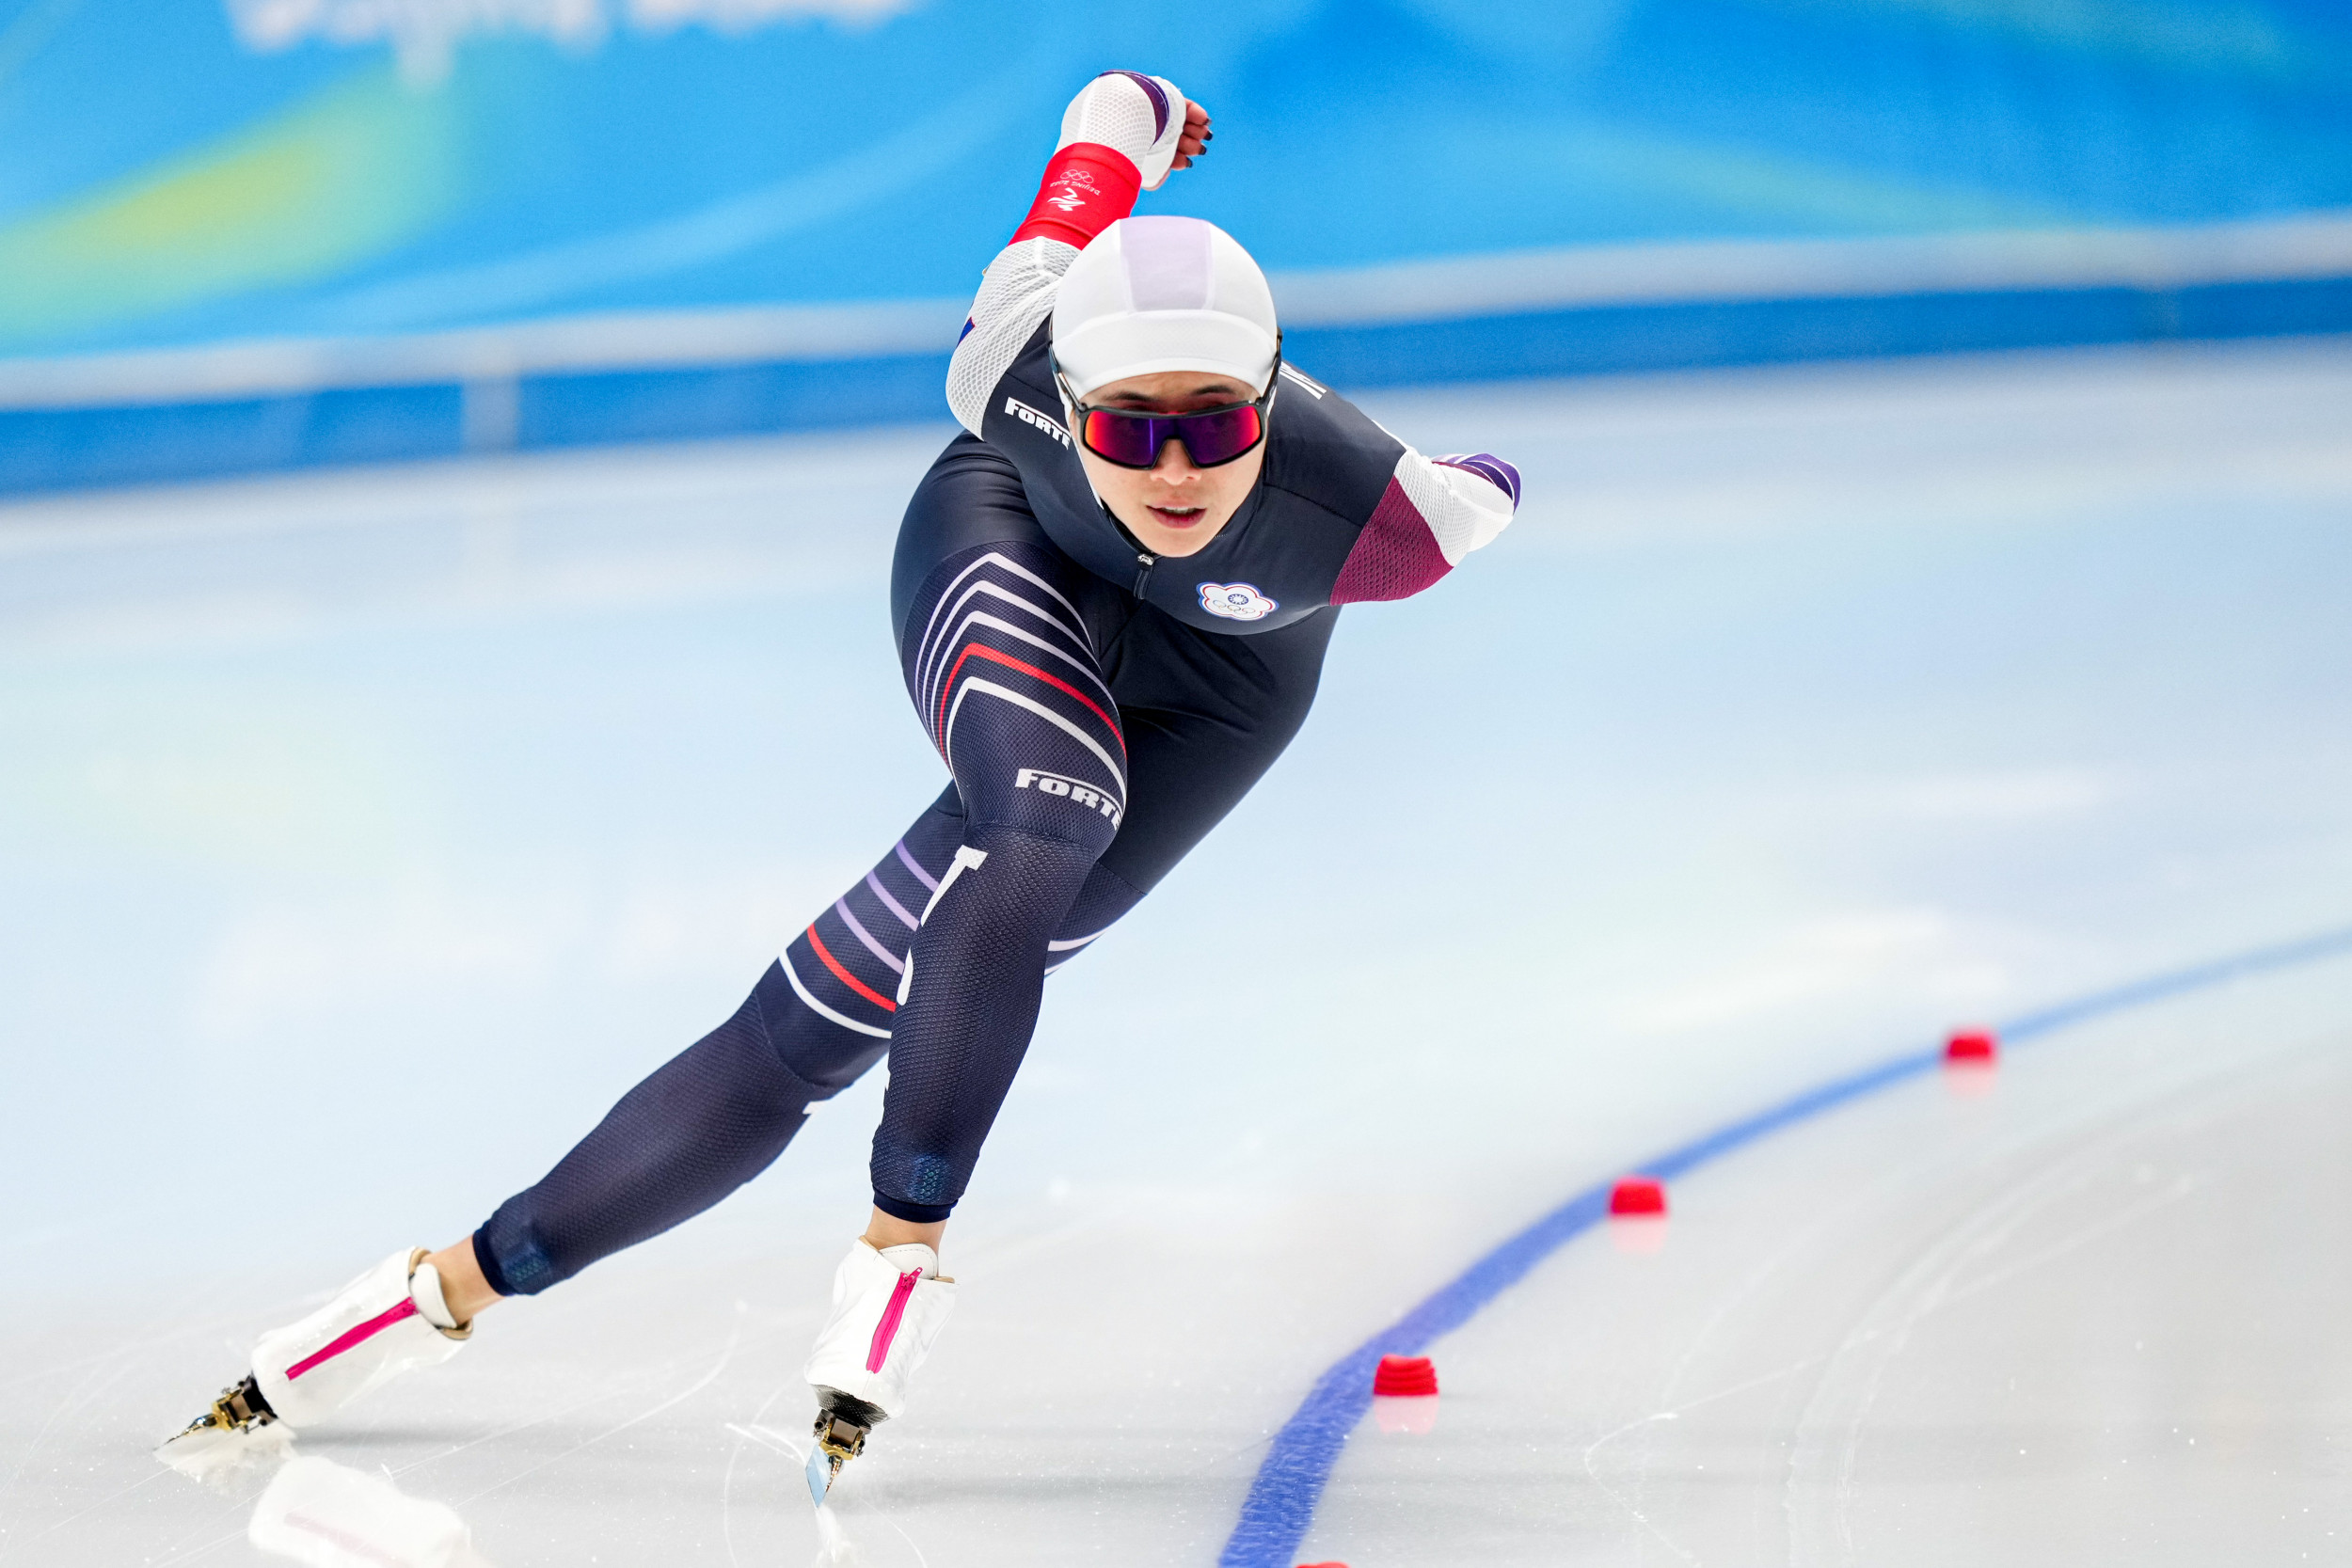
1112, 597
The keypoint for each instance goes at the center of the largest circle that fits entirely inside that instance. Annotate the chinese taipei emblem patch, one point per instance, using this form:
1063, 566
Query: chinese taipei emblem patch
1236, 601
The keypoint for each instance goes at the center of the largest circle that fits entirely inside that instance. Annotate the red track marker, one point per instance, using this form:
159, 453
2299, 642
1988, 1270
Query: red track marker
1638, 1194
1976, 1046
1411, 1376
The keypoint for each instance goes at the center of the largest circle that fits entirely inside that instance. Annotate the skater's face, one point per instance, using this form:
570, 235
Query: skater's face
1174, 507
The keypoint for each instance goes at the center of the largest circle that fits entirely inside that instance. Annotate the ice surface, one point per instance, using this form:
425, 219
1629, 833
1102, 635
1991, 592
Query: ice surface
363, 834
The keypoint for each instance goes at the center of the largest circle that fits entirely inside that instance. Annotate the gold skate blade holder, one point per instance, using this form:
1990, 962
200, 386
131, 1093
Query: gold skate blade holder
240, 1408
839, 1441
843, 1422
838, 1438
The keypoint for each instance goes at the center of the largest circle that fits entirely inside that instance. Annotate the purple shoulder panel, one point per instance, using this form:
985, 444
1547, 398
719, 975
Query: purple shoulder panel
1487, 466
1394, 557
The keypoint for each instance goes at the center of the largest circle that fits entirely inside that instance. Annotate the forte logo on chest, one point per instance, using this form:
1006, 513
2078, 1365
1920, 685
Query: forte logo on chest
1076, 793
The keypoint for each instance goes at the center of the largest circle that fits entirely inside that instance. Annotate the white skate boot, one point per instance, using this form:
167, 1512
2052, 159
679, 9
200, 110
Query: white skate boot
387, 1320
889, 1305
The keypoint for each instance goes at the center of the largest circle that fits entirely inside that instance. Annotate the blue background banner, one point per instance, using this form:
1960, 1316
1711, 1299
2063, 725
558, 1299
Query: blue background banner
180, 170
252, 233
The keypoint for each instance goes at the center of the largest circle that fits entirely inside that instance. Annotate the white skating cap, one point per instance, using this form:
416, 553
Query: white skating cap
1163, 294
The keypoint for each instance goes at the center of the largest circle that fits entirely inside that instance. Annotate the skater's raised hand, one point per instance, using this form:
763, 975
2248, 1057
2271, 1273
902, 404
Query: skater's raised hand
1143, 117
1196, 136
1124, 133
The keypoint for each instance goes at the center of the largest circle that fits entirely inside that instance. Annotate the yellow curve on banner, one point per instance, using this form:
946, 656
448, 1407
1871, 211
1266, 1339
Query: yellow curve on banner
342, 176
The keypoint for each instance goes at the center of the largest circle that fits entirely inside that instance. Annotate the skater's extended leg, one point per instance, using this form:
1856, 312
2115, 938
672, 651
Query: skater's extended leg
719, 1113
704, 1124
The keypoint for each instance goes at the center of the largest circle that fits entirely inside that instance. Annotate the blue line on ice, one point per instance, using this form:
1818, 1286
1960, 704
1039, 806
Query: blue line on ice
1290, 1480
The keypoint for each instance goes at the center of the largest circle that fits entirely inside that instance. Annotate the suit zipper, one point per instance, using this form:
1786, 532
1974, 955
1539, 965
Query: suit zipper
1143, 573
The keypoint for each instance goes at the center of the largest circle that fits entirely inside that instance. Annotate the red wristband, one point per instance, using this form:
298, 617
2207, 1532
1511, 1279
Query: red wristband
1087, 187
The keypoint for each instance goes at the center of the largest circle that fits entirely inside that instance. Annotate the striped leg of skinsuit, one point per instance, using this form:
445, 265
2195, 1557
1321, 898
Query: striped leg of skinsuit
1092, 742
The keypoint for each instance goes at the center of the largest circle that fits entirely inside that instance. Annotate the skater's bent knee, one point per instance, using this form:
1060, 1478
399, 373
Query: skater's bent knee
1061, 808
1067, 848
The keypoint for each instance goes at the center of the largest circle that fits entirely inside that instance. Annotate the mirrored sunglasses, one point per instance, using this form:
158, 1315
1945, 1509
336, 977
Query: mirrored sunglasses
1134, 438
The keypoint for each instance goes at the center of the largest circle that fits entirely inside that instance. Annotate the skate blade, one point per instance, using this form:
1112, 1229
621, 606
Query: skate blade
823, 1468
207, 1452
836, 1440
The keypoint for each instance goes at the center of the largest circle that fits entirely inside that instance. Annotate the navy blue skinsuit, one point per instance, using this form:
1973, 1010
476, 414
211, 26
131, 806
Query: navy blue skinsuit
1099, 710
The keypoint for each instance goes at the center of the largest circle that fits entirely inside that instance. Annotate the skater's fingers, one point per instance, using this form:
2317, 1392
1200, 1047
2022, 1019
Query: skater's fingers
1195, 138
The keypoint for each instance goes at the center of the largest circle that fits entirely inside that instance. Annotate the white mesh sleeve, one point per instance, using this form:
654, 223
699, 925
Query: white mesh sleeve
1464, 510
1113, 113
1016, 292
1142, 117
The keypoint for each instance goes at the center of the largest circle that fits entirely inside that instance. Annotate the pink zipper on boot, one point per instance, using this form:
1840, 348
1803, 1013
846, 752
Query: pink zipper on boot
405, 1307
887, 1329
